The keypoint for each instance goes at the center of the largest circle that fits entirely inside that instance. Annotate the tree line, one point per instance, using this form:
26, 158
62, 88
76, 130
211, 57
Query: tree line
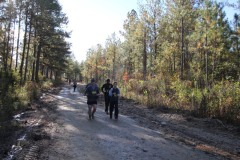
178, 54
33, 48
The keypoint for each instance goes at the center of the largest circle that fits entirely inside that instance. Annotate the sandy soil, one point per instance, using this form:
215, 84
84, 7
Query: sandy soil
59, 128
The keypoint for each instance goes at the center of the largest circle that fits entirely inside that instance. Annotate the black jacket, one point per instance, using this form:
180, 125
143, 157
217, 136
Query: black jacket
106, 88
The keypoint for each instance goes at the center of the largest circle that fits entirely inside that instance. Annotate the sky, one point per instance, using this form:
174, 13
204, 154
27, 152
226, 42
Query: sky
92, 21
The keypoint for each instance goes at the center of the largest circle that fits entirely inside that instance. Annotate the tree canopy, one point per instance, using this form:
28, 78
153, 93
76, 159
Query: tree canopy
33, 47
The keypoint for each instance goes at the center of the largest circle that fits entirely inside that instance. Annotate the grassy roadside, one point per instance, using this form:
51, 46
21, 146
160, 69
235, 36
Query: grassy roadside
20, 100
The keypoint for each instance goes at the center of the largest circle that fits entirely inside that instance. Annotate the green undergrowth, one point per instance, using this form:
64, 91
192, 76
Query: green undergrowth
17, 98
221, 100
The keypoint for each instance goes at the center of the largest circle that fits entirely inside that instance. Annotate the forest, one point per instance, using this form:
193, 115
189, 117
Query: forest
182, 55
34, 52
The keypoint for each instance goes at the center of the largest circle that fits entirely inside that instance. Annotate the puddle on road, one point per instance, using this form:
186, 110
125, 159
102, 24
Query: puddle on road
18, 116
11, 154
16, 148
23, 138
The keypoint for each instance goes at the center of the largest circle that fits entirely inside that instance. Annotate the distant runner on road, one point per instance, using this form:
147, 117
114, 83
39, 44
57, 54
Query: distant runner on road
92, 92
74, 86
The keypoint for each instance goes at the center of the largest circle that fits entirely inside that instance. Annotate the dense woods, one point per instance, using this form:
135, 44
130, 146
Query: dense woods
33, 51
178, 54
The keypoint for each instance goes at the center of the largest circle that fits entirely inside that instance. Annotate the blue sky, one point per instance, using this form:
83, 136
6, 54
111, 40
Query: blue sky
92, 21
229, 11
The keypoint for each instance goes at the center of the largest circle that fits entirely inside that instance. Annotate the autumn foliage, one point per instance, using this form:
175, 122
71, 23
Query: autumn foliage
180, 55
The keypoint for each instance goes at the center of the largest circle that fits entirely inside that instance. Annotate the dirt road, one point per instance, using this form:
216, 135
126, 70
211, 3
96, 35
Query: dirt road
77, 138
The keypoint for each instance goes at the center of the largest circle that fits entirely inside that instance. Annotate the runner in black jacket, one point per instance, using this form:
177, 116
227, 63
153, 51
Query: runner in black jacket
105, 89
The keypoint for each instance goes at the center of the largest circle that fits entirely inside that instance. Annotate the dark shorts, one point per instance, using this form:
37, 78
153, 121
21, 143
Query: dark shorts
114, 103
92, 100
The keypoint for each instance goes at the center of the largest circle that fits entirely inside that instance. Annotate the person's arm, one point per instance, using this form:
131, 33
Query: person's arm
86, 91
118, 92
102, 88
110, 92
98, 90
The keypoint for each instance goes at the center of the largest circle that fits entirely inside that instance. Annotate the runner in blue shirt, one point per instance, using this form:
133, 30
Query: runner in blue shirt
92, 92
114, 94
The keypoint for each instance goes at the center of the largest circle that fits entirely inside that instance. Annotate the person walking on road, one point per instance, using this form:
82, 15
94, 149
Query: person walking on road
92, 92
114, 94
74, 86
105, 89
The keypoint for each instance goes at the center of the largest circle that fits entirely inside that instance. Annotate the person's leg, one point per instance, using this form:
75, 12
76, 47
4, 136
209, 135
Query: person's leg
111, 109
90, 111
94, 110
116, 110
106, 103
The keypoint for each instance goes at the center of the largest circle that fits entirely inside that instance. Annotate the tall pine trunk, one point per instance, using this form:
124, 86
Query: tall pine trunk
38, 60
34, 56
24, 47
182, 49
7, 44
145, 55
155, 41
18, 38
13, 40
4, 50
114, 61
28, 48
206, 63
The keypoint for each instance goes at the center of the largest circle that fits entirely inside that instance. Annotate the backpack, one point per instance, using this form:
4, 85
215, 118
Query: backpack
92, 90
